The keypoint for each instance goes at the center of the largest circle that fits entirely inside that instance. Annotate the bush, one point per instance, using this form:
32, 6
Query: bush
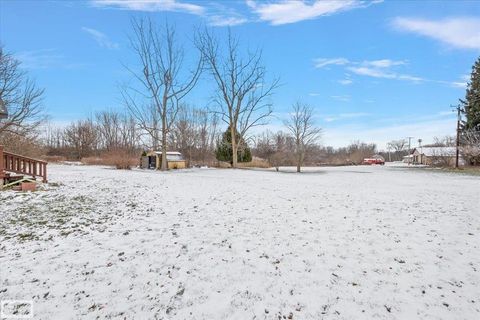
119, 159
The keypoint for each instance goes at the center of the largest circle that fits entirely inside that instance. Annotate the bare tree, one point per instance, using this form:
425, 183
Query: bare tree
242, 93
21, 97
108, 125
446, 141
397, 145
82, 137
194, 134
303, 130
117, 131
162, 80
471, 146
357, 151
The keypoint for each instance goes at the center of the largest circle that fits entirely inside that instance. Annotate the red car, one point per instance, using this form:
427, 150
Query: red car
371, 161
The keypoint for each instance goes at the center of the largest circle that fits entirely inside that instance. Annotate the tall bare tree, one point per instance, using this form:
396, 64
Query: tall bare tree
82, 137
194, 134
108, 125
21, 97
116, 131
397, 145
242, 89
162, 80
303, 130
471, 146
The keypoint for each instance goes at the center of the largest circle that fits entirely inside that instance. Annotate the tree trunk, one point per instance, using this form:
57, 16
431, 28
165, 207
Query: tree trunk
299, 161
164, 145
234, 146
155, 138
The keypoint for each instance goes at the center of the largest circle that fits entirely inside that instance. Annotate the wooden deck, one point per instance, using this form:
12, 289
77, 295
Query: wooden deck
18, 164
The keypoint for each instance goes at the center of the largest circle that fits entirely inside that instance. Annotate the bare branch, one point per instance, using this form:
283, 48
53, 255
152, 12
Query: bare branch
243, 93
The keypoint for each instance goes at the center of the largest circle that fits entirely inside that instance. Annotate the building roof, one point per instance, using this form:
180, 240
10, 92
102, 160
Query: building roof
437, 151
170, 153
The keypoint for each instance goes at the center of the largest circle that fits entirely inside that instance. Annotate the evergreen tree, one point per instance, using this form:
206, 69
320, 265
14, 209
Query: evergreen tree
224, 148
471, 104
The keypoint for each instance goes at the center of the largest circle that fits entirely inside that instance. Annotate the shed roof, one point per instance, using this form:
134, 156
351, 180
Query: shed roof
437, 151
169, 153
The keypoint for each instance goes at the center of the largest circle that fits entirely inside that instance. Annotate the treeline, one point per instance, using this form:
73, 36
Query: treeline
278, 149
194, 134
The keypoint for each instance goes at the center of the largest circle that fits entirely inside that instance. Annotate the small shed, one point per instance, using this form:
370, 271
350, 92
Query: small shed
153, 160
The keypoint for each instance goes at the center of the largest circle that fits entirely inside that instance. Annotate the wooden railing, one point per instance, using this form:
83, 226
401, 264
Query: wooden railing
11, 162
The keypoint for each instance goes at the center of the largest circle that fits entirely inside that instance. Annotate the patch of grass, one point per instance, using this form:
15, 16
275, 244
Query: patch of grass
474, 171
37, 216
26, 236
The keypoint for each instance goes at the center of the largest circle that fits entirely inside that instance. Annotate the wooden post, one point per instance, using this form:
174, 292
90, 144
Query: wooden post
44, 173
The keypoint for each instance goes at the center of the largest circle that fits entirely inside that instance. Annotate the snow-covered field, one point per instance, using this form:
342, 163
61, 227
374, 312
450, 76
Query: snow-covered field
331, 243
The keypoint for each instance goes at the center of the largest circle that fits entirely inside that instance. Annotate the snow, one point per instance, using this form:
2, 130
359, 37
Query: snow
437, 151
367, 242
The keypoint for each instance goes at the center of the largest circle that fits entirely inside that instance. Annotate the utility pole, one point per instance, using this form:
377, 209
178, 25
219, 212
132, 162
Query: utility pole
457, 152
409, 144
421, 150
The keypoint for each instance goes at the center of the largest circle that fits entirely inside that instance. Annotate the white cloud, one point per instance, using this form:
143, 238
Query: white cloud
323, 62
101, 38
344, 98
425, 129
460, 32
373, 68
339, 130
383, 63
290, 11
383, 73
45, 59
215, 14
151, 5
345, 82
225, 21
409, 78
462, 83
343, 116
371, 72
382, 69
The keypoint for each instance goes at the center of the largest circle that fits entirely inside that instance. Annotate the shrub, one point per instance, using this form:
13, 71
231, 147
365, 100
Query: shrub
224, 150
119, 159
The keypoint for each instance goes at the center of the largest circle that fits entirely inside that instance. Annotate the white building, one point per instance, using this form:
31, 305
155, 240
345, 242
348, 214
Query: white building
435, 156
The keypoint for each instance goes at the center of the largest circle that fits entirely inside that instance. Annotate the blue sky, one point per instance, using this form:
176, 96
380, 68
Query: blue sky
373, 70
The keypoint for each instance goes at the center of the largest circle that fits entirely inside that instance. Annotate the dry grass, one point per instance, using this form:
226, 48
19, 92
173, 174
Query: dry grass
118, 159
53, 159
94, 161
255, 163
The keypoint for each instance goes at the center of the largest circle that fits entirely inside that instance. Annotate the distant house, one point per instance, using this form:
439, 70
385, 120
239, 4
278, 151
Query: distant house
153, 160
435, 155
408, 159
